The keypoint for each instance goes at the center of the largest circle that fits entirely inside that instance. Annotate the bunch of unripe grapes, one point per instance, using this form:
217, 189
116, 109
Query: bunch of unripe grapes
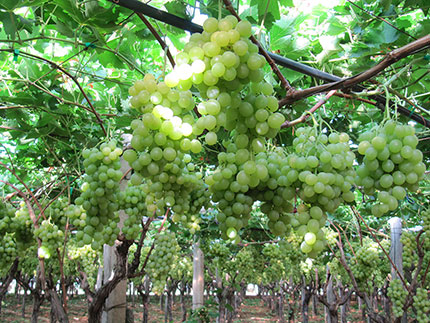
161, 260
274, 260
321, 167
397, 294
422, 305
52, 237
220, 62
425, 215
7, 212
56, 211
162, 138
391, 164
243, 178
8, 250
182, 269
409, 246
99, 195
308, 224
219, 252
367, 261
89, 260
132, 201
189, 216
22, 227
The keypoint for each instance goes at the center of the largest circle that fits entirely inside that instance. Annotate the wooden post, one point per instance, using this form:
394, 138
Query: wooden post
198, 276
115, 306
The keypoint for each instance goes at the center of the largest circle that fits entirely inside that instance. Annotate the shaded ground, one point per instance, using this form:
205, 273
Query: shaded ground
252, 311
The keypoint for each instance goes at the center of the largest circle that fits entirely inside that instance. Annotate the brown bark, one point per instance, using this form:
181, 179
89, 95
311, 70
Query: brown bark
8, 279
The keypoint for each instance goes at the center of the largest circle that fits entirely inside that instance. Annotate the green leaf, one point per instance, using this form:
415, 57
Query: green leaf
177, 8
10, 23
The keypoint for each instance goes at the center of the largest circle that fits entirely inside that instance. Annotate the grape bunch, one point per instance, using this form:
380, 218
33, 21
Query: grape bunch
275, 267
163, 137
308, 224
132, 201
224, 65
162, 259
367, 261
8, 250
422, 305
198, 198
89, 261
391, 164
7, 212
321, 168
409, 246
425, 215
397, 294
100, 195
56, 211
22, 227
52, 238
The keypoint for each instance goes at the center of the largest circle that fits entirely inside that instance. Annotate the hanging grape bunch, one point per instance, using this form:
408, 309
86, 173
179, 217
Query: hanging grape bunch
391, 164
7, 212
308, 224
163, 137
99, 195
162, 260
321, 168
52, 238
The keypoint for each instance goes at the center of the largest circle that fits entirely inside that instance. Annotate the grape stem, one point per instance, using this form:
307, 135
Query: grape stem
305, 115
157, 37
272, 64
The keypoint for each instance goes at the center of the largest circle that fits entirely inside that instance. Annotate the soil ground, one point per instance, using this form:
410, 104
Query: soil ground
252, 311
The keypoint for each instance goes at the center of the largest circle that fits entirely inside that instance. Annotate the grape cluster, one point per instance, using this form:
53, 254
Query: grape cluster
8, 250
321, 168
367, 261
89, 261
425, 215
22, 226
56, 211
51, 236
308, 224
163, 137
7, 212
409, 246
161, 260
422, 305
132, 201
397, 293
391, 164
198, 198
99, 195
240, 180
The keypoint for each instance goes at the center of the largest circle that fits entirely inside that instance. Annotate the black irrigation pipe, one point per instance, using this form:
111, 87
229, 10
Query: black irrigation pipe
184, 24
